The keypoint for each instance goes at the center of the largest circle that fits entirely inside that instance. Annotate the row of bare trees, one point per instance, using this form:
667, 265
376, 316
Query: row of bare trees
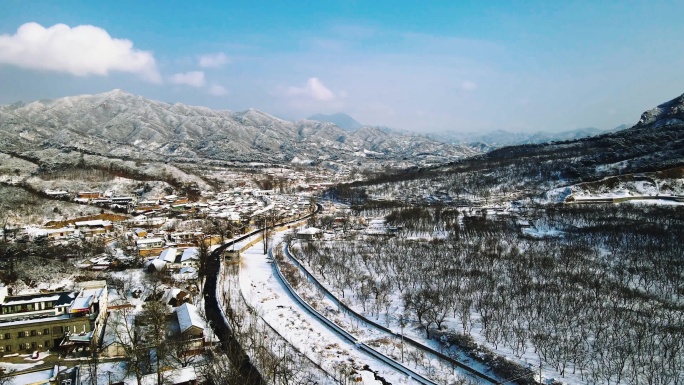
277, 360
599, 297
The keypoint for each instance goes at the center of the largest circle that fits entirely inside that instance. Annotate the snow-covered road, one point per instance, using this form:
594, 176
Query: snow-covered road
262, 289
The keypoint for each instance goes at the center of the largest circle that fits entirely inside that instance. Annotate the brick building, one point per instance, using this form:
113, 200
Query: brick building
50, 320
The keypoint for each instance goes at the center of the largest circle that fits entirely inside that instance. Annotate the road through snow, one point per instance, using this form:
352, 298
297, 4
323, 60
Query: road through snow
262, 289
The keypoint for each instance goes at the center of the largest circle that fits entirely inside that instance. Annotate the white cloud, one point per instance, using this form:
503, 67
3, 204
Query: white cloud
82, 50
314, 89
217, 90
213, 60
192, 78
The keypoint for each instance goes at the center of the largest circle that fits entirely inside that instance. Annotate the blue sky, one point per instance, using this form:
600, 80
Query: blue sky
423, 66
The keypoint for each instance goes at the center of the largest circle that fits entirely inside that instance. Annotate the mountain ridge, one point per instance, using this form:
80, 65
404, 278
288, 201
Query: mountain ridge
655, 144
117, 123
340, 119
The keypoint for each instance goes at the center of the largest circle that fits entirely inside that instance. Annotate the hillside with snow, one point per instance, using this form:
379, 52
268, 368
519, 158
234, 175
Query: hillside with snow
122, 125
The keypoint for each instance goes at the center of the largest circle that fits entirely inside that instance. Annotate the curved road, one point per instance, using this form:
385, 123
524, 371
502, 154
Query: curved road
230, 346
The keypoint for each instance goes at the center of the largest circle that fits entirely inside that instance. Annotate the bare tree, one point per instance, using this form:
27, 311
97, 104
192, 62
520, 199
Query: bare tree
7, 377
135, 351
203, 254
153, 322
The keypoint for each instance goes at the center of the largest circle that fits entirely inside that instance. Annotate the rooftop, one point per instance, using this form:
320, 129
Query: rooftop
188, 317
60, 298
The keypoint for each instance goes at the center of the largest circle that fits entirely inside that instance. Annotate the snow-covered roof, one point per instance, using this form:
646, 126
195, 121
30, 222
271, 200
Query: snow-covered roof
309, 231
169, 255
190, 253
188, 317
82, 303
59, 299
87, 297
60, 230
170, 294
157, 263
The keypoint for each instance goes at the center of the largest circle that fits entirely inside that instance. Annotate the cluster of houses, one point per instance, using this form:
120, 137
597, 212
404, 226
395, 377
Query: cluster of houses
182, 264
97, 198
164, 232
238, 206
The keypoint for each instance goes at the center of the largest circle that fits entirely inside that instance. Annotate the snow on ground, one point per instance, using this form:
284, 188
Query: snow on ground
263, 291
7, 366
27, 208
417, 332
621, 187
416, 359
33, 377
107, 373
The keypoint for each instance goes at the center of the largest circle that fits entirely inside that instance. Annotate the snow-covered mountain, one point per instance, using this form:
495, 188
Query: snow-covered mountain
123, 125
341, 120
649, 153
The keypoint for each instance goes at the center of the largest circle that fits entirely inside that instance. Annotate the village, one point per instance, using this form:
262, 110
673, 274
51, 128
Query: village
152, 252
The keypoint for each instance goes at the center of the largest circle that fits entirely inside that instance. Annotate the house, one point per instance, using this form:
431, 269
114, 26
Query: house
57, 375
310, 233
45, 321
91, 303
140, 233
155, 265
123, 200
185, 237
98, 263
61, 233
90, 228
145, 221
169, 255
88, 194
190, 257
57, 193
180, 376
379, 227
172, 259
190, 328
186, 274
115, 335
149, 243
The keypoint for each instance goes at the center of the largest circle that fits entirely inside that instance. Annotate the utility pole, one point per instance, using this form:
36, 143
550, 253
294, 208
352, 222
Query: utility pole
540, 368
402, 324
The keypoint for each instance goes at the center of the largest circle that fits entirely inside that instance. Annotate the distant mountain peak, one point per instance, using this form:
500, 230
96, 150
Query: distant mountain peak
117, 92
339, 119
668, 113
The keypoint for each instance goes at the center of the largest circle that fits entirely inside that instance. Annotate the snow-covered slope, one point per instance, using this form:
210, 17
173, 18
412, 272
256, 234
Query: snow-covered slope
120, 124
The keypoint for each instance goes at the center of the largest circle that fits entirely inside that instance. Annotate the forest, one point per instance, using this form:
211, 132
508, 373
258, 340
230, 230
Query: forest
593, 292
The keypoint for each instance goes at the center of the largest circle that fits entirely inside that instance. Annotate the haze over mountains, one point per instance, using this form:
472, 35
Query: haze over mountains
481, 141
502, 138
654, 145
123, 125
